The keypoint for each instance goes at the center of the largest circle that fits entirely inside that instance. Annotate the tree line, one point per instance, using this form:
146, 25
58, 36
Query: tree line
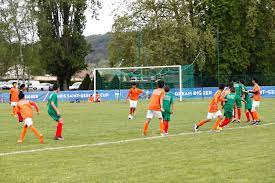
235, 37
41, 37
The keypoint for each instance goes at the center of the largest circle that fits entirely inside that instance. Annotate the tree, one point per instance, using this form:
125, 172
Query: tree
14, 16
60, 28
18, 29
175, 31
4, 57
122, 45
115, 83
168, 36
86, 83
244, 28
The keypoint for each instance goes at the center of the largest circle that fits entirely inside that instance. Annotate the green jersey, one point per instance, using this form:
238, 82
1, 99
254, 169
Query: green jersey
247, 98
238, 88
167, 102
246, 95
231, 98
52, 98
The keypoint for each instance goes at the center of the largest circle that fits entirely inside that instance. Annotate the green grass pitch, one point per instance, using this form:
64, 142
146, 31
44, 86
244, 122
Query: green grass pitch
242, 155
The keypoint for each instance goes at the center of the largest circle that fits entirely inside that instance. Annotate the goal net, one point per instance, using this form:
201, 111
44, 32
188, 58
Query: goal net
120, 79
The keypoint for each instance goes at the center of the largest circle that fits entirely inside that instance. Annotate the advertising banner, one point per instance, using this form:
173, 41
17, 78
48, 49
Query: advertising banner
106, 95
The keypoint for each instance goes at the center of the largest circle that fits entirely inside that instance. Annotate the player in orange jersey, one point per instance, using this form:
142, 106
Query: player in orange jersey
97, 98
256, 101
155, 108
14, 98
133, 96
25, 109
91, 99
22, 90
213, 110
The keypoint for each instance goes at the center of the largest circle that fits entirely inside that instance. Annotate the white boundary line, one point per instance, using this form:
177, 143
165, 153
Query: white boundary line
121, 141
46, 96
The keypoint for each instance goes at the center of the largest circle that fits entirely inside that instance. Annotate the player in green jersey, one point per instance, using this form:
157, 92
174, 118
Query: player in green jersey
238, 106
248, 105
168, 106
54, 112
230, 100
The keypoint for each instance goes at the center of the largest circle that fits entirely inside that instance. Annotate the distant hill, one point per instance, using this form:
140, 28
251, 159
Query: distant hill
99, 54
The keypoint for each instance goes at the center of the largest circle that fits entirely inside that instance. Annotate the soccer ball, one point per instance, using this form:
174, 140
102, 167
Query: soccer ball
130, 116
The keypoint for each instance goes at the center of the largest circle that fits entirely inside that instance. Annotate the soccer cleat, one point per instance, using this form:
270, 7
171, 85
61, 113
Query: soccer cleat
19, 141
59, 138
163, 134
239, 121
219, 128
41, 139
196, 128
233, 120
215, 130
256, 123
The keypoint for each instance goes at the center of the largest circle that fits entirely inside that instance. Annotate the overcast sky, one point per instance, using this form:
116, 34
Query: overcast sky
106, 18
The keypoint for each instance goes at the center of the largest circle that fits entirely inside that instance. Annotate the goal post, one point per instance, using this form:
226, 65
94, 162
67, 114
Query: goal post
164, 70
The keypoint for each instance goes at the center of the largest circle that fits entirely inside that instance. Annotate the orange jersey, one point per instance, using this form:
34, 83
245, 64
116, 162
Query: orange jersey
134, 93
257, 97
97, 98
213, 107
24, 107
91, 99
14, 92
155, 101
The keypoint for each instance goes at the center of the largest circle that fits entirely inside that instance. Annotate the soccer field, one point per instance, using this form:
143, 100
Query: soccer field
94, 150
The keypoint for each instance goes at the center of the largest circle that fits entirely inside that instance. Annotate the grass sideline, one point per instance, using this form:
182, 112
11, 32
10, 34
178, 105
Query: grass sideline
230, 156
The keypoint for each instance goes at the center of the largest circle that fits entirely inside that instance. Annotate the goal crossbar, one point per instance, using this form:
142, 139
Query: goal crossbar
143, 67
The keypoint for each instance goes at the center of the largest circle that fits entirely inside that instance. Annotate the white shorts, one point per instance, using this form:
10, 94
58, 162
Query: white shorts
28, 122
133, 103
255, 104
13, 104
214, 115
151, 114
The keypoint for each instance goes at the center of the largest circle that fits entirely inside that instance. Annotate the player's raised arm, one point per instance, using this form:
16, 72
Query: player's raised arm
35, 106
254, 92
